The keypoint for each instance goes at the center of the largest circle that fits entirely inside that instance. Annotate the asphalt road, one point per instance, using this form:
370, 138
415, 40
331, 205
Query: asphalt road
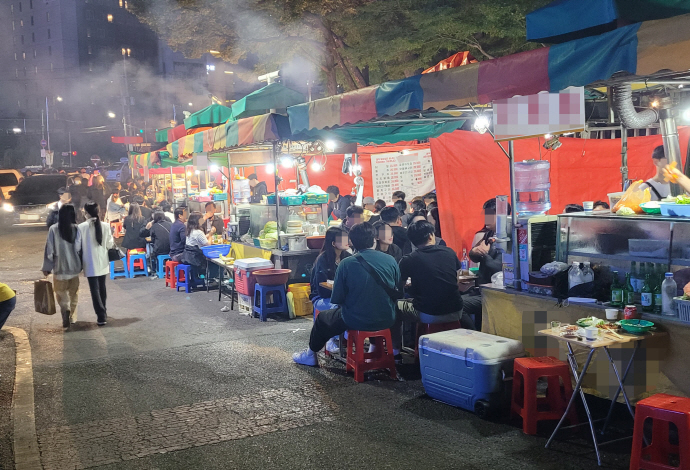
174, 383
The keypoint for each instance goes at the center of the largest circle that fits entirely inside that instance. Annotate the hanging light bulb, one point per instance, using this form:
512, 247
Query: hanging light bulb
316, 166
481, 124
330, 145
270, 168
287, 161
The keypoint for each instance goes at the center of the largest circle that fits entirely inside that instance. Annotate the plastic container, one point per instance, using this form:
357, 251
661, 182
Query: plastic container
215, 251
468, 369
271, 199
316, 242
272, 277
300, 293
614, 198
636, 327
220, 197
291, 200
669, 289
297, 243
244, 273
671, 209
683, 308
315, 198
532, 185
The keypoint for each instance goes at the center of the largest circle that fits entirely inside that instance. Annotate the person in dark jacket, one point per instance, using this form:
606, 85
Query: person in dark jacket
337, 204
98, 194
353, 215
211, 220
258, 189
334, 250
146, 212
178, 234
391, 216
80, 195
159, 231
384, 241
133, 224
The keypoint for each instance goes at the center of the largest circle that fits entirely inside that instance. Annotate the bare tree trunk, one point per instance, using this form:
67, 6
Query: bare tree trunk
354, 70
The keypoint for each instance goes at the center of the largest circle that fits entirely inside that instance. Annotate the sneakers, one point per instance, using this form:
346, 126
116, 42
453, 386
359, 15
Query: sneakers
332, 347
306, 358
65, 319
101, 323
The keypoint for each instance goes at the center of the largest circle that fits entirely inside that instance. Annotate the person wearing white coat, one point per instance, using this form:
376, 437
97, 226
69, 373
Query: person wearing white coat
93, 241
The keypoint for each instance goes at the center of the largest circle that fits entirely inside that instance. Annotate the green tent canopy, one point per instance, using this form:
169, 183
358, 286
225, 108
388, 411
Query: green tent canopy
210, 116
273, 96
162, 134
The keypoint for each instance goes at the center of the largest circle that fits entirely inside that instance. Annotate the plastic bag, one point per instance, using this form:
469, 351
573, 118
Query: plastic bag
633, 197
44, 299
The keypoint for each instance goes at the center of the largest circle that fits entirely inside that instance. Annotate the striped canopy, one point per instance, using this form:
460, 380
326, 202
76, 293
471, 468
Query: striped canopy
248, 131
641, 49
148, 159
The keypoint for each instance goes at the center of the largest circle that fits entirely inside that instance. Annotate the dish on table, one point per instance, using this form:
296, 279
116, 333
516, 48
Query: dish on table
589, 321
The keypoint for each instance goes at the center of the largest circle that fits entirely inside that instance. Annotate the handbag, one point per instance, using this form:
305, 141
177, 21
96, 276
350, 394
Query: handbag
115, 254
44, 298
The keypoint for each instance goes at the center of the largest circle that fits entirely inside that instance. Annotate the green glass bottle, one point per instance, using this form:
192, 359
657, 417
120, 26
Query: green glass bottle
647, 295
616, 291
657, 297
628, 291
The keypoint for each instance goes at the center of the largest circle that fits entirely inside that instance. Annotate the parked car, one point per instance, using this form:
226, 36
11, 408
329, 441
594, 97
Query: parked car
9, 179
33, 200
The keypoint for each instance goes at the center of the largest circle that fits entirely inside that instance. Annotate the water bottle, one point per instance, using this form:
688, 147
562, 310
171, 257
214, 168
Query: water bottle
465, 262
669, 289
575, 277
587, 273
532, 185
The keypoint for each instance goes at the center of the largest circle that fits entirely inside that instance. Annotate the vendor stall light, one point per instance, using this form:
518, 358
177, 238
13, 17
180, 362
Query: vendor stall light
214, 168
356, 169
287, 161
481, 124
553, 143
548, 136
330, 145
316, 166
189, 173
270, 168
197, 172
655, 104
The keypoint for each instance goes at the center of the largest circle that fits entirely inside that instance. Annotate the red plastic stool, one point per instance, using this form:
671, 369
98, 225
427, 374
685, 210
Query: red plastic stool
170, 278
663, 409
428, 328
116, 227
138, 264
525, 403
361, 361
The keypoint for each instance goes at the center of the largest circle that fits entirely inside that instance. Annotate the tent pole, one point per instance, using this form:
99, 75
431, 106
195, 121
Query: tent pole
172, 189
515, 245
275, 177
624, 155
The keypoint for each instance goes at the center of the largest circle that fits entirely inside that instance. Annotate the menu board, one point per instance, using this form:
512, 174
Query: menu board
412, 173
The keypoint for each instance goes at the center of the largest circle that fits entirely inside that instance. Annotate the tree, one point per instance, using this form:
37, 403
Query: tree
398, 38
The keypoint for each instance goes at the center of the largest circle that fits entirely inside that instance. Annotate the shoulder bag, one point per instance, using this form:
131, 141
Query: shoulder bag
392, 293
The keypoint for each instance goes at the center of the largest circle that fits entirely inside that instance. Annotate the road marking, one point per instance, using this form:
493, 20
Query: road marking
26, 455
96, 443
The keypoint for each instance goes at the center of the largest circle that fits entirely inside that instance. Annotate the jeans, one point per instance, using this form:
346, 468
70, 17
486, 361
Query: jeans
407, 312
98, 296
6, 307
328, 324
67, 297
472, 305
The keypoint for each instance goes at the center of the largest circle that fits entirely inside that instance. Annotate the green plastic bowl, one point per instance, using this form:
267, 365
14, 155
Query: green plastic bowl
637, 327
650, 210
474, 271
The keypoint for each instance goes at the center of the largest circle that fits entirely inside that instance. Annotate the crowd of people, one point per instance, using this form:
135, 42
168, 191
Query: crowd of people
388, 265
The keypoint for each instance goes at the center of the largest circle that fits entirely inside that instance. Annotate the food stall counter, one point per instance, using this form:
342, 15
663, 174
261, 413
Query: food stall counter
659, 367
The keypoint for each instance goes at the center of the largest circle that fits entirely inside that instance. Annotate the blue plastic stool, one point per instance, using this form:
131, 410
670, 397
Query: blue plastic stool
138, 272
261, 304
161, 265
190, 281
123, 273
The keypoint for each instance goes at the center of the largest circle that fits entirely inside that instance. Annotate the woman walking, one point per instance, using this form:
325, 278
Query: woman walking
62, 259
93, 241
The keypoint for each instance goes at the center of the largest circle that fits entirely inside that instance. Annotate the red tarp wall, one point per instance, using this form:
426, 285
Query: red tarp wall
469, 168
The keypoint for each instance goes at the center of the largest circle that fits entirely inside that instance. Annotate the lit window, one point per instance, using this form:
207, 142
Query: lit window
121, 3
21, 23
125, 3
90, 67
24, 55
13, 27
88, 32
110, 18
15, 56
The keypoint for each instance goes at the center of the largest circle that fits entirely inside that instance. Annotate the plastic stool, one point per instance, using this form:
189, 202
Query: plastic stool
429, 328
526, 373
161, 265
116, 228
138, 266
361, 361
123, 273
663, 409
170, 274
261, 304
186, 278
138, 263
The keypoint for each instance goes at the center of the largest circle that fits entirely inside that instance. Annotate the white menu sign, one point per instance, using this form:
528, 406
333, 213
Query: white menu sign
412, 173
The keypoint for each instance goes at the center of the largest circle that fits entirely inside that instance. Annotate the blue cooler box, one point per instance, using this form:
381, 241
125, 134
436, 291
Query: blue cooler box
468, 369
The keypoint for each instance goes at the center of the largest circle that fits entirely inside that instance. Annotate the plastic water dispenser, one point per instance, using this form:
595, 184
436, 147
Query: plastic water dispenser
532, 185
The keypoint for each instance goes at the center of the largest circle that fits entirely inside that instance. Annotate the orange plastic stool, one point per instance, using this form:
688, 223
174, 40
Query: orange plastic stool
525, 403
361, 361
170, 278
428, 328
116, 227
663, 409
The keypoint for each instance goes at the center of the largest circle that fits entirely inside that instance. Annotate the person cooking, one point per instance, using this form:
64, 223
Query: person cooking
658, 186
258, 188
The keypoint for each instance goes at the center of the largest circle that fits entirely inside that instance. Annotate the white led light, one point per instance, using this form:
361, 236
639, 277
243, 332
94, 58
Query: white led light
481, 124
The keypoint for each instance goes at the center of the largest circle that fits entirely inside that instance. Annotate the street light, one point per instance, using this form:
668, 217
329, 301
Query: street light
17, 130
111, 114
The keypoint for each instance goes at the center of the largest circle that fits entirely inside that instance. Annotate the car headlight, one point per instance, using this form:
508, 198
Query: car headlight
7, 207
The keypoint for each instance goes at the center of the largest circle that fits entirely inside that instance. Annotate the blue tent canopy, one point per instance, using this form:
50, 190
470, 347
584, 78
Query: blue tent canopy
565, 20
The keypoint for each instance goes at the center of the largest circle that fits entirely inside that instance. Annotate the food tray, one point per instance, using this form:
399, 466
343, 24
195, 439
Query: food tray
291, 200
215, 251
683, 308
671, 209
315, 198
220, 197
